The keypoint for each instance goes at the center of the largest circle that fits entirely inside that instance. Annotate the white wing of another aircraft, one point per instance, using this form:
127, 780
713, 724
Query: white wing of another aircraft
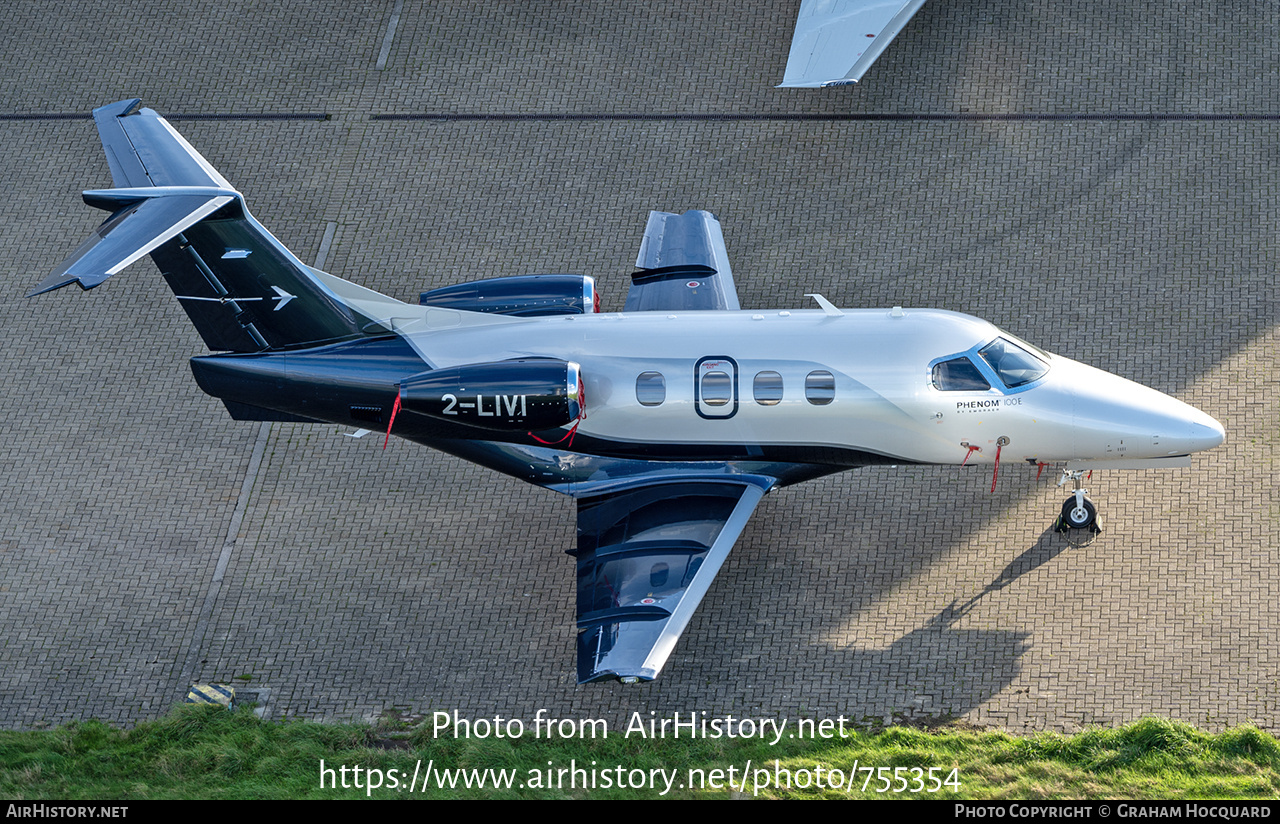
836, 41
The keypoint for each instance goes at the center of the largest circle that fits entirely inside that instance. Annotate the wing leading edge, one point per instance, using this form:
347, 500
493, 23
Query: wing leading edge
836, 41
647, 553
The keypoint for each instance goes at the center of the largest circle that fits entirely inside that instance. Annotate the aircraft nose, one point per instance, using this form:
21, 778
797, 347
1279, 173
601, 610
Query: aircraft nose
1206, 434
1116, 418
1177, 427
1192, 430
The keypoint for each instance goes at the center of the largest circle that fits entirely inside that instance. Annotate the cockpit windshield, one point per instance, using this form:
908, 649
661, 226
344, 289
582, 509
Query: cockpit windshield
1014, 365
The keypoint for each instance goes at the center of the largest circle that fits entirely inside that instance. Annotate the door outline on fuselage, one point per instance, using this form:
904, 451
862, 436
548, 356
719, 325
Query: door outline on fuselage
708, 365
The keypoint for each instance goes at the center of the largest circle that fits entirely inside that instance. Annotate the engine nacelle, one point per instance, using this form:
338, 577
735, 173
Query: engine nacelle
514, 395
525, 296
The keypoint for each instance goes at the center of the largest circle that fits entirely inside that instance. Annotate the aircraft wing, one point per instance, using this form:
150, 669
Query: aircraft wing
683, 266
836, 41
647, 553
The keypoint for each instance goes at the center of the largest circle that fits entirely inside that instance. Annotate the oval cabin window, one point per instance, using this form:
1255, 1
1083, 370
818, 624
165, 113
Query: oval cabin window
717, 388
767, 388
651, 389
820, 388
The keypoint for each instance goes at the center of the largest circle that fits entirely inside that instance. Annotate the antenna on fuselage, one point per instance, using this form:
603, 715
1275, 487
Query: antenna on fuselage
827, 306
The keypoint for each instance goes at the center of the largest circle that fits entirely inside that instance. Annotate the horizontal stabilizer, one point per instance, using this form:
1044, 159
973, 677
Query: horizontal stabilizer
146, 219
243, 290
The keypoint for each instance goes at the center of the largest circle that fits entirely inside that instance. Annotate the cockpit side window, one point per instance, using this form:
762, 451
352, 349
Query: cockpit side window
959, 375
1014, 365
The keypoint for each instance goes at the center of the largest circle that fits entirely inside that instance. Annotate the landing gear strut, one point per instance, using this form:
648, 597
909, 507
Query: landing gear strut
1078, 512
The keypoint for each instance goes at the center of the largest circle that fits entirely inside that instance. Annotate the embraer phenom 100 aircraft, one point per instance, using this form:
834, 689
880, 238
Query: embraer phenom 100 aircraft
667, 422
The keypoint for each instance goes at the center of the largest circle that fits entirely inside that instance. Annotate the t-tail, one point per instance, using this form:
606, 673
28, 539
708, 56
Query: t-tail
244, 291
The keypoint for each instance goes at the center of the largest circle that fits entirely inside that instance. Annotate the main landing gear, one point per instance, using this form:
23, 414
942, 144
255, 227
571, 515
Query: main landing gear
1078, 515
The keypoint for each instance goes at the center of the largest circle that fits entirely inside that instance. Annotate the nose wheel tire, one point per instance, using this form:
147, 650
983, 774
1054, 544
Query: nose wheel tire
1078, 514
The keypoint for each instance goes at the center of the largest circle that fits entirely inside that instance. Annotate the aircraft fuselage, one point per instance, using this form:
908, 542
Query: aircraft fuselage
819, 392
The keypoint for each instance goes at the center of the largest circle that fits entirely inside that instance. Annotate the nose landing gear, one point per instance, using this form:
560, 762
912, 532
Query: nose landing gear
1078, 512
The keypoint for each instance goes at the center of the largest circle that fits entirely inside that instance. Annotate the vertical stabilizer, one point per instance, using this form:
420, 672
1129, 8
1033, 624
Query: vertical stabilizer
243, 290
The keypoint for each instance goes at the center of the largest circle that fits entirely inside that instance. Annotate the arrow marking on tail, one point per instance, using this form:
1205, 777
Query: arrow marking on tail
281, 295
